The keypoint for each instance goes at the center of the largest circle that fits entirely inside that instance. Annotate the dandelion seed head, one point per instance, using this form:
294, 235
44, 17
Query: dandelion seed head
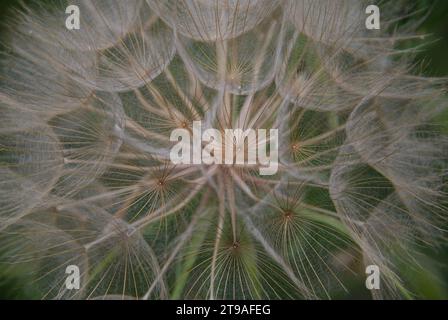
86, 176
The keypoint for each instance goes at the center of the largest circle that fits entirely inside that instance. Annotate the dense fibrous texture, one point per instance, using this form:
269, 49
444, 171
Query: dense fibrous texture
86, 178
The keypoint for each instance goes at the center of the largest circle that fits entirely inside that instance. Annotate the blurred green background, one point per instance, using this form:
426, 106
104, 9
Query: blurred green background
437, 25
433, 284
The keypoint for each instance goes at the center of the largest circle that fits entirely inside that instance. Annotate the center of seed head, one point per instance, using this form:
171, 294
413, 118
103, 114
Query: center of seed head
288, 214
295, 146
235, 245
